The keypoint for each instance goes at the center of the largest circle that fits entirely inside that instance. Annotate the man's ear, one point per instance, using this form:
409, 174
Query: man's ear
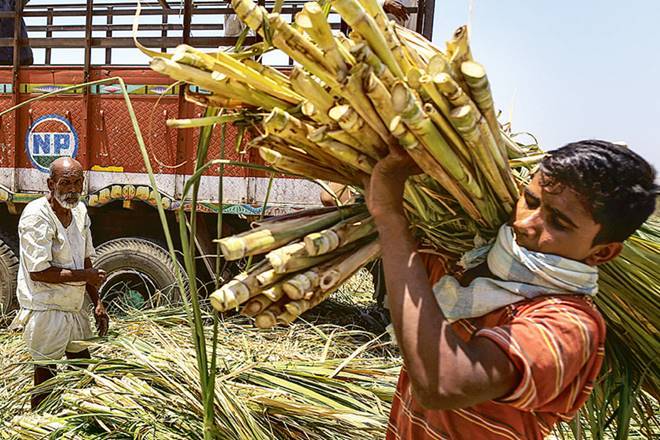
51, 184
602, 253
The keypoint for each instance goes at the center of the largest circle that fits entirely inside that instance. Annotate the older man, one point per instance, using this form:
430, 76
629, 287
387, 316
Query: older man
55, 271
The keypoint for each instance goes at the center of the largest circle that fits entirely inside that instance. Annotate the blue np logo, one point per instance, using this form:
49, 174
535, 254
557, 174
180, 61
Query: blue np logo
48, 138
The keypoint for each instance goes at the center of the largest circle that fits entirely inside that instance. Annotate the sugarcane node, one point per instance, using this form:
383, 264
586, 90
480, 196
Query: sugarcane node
463, 118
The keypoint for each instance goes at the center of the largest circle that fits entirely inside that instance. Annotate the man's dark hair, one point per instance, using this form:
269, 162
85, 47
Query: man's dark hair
616, 185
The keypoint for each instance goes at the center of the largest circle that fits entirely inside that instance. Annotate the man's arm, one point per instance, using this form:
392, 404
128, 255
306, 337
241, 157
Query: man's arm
57, 275
100, 314
445, 371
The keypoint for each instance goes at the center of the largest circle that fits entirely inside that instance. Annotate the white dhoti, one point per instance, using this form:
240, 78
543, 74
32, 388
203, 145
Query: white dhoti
48, 334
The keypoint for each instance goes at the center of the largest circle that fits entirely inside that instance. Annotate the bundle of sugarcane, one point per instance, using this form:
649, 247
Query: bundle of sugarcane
352, 98
307, 258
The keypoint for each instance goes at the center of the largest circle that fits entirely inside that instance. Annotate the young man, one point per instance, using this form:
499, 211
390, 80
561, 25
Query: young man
516, 344
55, 271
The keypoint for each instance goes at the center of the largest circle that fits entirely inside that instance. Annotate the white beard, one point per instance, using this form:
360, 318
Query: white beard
68, 200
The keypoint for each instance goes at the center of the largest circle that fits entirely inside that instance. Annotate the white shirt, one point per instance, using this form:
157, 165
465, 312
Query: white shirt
45, 243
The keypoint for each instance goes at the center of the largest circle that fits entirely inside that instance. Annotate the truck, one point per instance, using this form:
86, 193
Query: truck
92, 124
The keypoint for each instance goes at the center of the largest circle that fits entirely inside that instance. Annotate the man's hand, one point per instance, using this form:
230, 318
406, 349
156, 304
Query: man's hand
397, 10
102, 319
95, 277
384, 189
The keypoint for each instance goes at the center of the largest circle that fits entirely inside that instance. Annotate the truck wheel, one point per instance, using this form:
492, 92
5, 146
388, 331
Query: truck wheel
140, 274
8, 273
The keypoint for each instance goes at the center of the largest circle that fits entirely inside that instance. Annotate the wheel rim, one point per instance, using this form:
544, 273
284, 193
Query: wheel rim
127, 289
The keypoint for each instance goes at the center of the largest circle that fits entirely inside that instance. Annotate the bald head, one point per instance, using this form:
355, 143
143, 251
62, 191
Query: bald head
65, 166
66, 181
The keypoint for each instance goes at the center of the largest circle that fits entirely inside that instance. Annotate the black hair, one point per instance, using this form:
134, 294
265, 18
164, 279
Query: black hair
616, 185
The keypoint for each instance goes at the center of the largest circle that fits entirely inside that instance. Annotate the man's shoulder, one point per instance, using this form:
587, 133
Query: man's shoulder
575, 308
38, 208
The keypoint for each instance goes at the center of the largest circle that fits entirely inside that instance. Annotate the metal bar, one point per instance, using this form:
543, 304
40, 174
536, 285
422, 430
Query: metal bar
419, 23
16, 71
164, 29
183, 139
49, 34
108, 34
429, 10
126, 42
124, 27
85, 153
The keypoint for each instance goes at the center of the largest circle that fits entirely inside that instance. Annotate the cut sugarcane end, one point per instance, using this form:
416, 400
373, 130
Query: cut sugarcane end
473, 69
233, 248
329, 280
266, 319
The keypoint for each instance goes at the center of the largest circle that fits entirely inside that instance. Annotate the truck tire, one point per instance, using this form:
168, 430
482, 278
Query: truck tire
140, 274
8, 274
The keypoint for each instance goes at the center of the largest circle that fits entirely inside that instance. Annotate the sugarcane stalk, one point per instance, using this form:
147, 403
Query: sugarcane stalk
238, 290
348, 155
477, 81
308, 87
273, 235
256, 305
286, 318
363, 54
300, 285
483, 145
274, 292
223, 87
438, 64
206, 100
488, 145
458, 51
293, 43
268, 318
293, 130
380, 97
345, 44
351, 122
431, 167
314, 22
357, 18
284, 37
375, 10
448, 130
232, 68
268, 72
344, 269
423, 128
340, 234
353, 92
364, 146
299, 167
293, 258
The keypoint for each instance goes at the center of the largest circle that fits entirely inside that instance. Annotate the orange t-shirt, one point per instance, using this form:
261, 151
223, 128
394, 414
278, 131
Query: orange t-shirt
557, 343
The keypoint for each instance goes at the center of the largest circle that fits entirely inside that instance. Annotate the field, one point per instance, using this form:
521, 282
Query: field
330, 375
